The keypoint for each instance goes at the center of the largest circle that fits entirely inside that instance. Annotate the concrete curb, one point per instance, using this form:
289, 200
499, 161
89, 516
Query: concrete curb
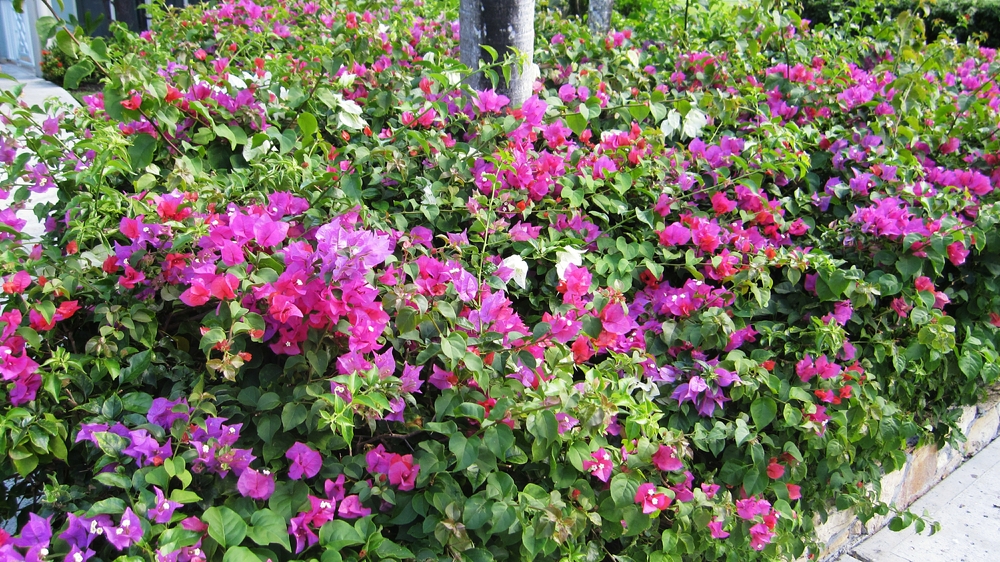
925, 468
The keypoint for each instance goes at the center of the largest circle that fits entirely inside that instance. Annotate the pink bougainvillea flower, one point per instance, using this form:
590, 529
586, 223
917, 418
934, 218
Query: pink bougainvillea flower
750, 508
760, 536
923, 283
900, 306
715, 526
775, 470
402, 472
17, 283
351, 508
957, 253
601, 466
256, 485
666, 460
651, 500
305, 461
488, 101
794, 491
131, 278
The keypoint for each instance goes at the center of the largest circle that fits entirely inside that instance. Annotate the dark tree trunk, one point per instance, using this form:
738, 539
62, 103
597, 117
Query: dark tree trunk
126, 13
600, 16
508, 26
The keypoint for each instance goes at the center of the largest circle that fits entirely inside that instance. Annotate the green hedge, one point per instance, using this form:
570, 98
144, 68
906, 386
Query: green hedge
962, 18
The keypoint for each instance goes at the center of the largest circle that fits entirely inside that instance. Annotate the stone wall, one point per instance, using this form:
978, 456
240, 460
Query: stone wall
925, 466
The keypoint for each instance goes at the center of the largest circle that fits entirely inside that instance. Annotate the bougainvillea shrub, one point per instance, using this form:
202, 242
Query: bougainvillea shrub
304, 295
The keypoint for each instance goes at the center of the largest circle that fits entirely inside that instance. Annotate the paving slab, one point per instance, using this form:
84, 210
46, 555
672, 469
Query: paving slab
966, 503
36, 90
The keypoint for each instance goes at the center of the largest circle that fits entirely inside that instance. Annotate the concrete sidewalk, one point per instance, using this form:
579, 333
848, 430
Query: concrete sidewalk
36, 90
966, 503
52, 100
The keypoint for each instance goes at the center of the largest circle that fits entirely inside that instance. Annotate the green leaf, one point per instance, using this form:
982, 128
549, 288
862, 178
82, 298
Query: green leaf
76, 73
96, 50
114, 480
268, 401
292, 415
109, 506
307, 122
970, 363
466, 450
763, 410
339, 533
233, 133
45, 26
543, 425
25, 465
288, 498
225, 526
66, 43
576, 122
623, 490
268, 528
389, 549
639, 112
909, 267
177, 538
240, 554
141, 153
110, 443
478, 511
137, 365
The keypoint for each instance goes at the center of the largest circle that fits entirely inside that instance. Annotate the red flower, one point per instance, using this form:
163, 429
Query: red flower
775, 470
133, 102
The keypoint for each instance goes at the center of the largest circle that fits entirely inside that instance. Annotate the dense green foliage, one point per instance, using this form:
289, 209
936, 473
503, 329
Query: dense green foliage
303, 295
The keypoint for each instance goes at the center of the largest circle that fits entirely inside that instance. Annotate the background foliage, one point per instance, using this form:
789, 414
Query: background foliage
305, 296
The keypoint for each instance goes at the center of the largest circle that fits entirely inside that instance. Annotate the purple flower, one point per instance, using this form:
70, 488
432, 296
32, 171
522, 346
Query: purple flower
88, 430
604, 166
378, 460
751, 507
422, 235
690, 390
161, 412
37, 531
442, 379
164, 508
305, 461
566, 422
127, 533
77, 555
145, 449
78, 531
256, 485
334, 488
50, 126
341, 390
411, 379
